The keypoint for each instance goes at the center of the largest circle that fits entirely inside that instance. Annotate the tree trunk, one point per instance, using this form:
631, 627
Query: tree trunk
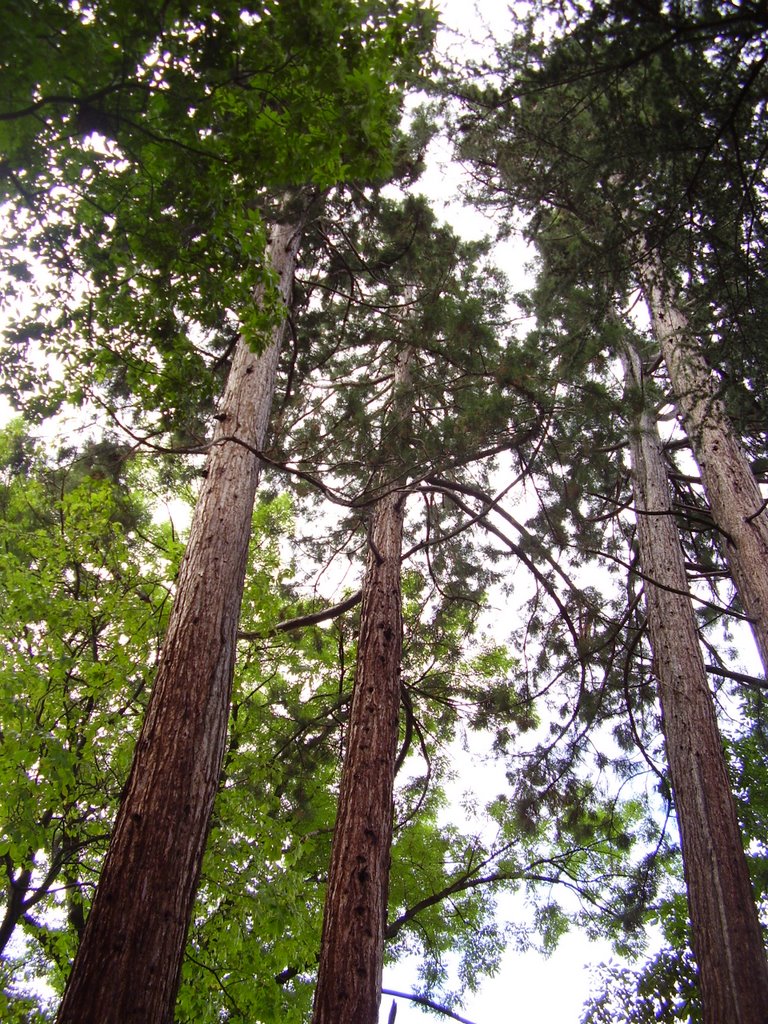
731, 489
352, 946
129, 963
15, 903
726, 935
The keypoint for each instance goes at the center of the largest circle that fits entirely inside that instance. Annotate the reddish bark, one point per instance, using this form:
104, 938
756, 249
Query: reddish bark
352, 946
351, 957
129, 962
726, 935
731, 489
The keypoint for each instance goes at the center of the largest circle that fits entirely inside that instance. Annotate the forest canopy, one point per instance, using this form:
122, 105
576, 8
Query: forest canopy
367, 597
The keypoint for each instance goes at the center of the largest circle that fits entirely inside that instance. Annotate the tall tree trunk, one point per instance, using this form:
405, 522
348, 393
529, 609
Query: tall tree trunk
352, 946
726, 936
129, 963
731, 489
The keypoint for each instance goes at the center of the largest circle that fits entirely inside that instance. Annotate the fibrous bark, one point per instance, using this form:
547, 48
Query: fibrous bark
734, 497
128, 966
352, 945
726, 936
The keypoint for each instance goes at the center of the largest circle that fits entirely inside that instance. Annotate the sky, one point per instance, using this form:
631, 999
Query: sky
528, 987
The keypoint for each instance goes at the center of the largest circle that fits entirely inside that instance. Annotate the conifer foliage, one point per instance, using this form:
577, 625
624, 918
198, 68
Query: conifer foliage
610, 136
426, 515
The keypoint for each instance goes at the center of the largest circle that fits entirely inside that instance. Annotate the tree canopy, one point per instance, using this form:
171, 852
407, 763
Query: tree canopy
204, 195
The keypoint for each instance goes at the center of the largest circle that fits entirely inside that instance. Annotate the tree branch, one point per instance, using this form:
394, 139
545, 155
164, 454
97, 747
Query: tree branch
739, 677
312, 619
424, 1001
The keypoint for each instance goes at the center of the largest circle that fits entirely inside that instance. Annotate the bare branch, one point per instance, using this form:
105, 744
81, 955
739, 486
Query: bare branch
740, 677
312, 619
424, 1001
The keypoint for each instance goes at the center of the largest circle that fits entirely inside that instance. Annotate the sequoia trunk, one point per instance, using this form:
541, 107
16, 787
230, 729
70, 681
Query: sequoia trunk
128, 966
731, 489
726, 936
352, 945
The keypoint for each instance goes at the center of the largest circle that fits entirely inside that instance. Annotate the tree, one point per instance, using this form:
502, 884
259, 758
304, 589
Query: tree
421, 282
407, 275
649, 220
574, 320
157, 846
530, 153
162, 167
352, 944
736, 503
273, 814
82, 573
726, 934
155, 853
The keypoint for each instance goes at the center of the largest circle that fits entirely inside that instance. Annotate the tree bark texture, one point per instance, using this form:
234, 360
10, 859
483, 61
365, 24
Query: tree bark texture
352, 946
726, 935
128, 966
731, 489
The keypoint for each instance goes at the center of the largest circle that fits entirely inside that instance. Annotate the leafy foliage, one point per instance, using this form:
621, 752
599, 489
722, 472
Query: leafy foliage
86, 586
145, 152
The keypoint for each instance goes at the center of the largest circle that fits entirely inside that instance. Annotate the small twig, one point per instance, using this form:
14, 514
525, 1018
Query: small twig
405, 698
754, 515
285, 976
371, 543
220, 982
720, 609
423, 1001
